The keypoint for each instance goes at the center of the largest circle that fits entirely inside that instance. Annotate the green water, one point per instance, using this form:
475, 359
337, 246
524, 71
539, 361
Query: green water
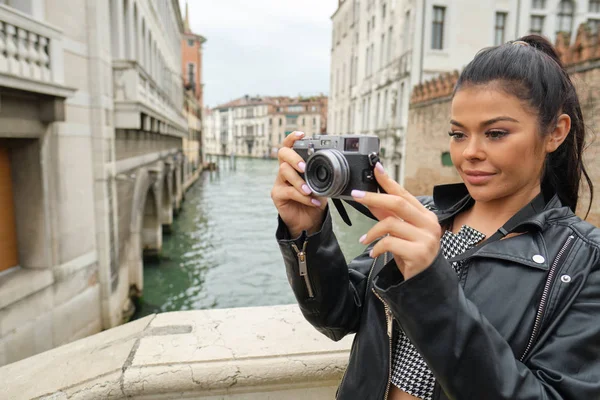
222, 250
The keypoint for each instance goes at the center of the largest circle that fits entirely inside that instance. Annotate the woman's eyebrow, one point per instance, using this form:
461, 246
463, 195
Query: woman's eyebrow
488, 122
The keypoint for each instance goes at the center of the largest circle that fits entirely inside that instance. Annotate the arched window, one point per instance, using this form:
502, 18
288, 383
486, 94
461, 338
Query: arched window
565, 16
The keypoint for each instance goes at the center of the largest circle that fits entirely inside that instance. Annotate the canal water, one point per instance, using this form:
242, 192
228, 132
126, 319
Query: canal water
222, 251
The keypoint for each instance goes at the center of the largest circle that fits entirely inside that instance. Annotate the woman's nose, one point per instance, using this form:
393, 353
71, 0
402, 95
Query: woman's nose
474, 149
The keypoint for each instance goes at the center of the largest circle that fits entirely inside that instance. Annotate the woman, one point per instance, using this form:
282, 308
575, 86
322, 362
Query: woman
490, 289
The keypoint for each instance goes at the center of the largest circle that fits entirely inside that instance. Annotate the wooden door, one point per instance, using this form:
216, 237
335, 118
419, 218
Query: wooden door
8, 234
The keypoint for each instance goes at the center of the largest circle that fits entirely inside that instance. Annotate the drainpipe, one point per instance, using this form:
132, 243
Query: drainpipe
518, 19
422, 41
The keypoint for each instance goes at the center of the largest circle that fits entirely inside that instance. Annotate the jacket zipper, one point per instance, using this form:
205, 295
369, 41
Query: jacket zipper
368, 280
544, 299
302, 267
389, 320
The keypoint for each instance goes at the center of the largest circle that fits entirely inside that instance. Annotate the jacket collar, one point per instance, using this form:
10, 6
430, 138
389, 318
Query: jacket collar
525, 249
452, 199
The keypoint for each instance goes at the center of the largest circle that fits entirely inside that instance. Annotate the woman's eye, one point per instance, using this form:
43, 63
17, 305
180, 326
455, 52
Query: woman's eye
456, 135
496, 134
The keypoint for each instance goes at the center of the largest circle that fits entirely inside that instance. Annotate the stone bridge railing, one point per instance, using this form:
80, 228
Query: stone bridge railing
245, 353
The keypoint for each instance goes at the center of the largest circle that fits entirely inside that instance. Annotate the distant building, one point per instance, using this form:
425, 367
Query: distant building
191, 62
256, 126
382, 49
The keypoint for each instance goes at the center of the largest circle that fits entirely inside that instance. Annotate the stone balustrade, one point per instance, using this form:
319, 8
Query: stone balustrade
244, 353
136, 91
31, 54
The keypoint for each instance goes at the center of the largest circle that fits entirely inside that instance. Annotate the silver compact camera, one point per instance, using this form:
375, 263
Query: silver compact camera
336, 165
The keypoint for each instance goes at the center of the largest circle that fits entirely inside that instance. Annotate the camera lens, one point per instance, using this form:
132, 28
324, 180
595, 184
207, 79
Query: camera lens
327, 173
322, 174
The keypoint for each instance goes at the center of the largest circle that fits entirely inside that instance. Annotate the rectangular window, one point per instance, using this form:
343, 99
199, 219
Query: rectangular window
537, 24
446, 159
364, 114
389, 45
291, 120
381, 51
538, 4
385, 107
499, 28
377, 111
192, 74
565, 17
191, 42
406, 33
594, 6
372, 55
400, 110
343, 78
437, 33
594, 24
367, 62
369, 113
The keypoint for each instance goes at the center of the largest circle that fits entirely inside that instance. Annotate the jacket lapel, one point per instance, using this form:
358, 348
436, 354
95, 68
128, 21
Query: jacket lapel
527, 249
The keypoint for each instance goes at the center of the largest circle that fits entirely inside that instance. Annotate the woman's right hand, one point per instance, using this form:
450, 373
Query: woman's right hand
298, 208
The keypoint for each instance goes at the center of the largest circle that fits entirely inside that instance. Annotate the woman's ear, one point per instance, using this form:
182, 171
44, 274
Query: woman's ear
559, 134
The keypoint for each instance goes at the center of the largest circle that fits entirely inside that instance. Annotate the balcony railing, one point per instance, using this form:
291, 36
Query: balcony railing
133, 86
31, 54
404, 64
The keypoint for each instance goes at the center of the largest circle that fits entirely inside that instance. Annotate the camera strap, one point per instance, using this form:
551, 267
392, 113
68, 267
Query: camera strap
357, 206
373, 159
536, 206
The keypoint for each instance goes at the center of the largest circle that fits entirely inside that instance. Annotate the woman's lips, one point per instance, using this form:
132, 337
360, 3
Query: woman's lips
478, 177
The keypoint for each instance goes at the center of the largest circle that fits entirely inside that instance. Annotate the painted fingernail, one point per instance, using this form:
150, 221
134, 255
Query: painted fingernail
359, 194
316, 202
306, 189
379, 168
299, 134
362, 238
302, 166
371, 253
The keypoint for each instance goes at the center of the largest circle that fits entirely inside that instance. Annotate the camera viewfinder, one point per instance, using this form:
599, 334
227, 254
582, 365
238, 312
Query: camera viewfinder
351, 144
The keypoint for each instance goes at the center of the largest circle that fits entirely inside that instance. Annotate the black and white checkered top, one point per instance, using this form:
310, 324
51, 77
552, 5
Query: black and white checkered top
409, 371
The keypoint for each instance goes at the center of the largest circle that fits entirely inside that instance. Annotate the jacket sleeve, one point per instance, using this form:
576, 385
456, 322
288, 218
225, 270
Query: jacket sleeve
334, 301
471, 360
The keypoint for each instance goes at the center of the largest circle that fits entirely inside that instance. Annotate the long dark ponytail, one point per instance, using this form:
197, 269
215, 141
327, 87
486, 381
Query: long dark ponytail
531, 70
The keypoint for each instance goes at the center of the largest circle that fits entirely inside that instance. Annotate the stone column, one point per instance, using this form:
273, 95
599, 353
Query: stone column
119, 31
130, 30
140, 39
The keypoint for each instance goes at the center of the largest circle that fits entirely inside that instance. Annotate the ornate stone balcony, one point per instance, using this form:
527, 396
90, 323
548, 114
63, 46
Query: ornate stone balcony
142, 105
31, 55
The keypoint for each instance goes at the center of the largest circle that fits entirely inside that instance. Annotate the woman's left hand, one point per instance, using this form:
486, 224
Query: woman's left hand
413, 232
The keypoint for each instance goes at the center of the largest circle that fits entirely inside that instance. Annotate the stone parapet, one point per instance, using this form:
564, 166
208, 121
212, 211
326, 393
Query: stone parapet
585, 48
243, 353
436, 88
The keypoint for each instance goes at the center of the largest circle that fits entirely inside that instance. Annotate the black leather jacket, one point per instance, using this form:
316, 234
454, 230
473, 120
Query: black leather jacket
522, 321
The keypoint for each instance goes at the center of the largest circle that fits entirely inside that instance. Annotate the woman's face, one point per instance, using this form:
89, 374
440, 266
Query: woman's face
495, 144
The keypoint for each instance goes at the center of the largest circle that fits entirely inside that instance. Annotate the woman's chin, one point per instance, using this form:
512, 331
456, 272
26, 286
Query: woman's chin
482, 193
